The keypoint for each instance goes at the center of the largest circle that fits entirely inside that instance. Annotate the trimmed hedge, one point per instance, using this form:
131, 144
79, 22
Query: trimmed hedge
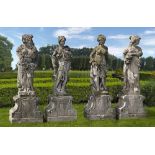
78, 87
79, 93
73, 74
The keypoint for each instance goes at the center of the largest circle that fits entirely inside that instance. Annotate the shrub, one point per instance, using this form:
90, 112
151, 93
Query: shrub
148, 90
78, 86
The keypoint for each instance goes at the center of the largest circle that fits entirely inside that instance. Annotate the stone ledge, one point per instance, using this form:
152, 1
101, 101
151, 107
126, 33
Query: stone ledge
25, 110
60, 108
98, 107
130, 106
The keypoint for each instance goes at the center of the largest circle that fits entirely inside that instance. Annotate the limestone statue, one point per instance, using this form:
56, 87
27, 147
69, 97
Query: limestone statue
99, 103
131, 68
98, 60
131, 102
61, 60
26, 102
27, 54
59, 106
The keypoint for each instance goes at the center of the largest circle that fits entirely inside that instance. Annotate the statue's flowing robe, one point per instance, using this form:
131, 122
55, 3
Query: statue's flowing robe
131, 69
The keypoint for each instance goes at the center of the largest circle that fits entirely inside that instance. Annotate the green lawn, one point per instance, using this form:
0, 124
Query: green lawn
79, 87
148, 121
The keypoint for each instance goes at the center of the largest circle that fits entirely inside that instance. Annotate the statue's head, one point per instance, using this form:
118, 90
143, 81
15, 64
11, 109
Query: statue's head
134, 39
61, 40
101, 39
27, 39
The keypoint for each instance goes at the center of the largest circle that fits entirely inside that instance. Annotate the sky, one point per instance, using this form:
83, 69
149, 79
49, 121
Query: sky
79, 37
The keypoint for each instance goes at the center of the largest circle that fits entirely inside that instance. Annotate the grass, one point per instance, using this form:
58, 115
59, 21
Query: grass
79, 88
148, 121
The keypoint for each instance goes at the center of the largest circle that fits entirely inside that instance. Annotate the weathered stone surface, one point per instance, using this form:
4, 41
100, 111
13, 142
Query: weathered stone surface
25, 110
130, 106
98, 61
98, 107
26, 102
131, 102
99, 104
61, 61
27, 54
60, 109
60, 103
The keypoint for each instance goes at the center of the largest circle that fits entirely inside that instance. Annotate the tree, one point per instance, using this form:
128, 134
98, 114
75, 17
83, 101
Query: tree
149, 63
5, 54
80, 58
43, 67
142, 63
39, 64
48, 62
154, 64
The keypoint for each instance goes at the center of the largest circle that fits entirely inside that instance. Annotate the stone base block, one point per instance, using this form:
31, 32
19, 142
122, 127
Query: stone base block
60, 109
98, 107
130, 106
25, 110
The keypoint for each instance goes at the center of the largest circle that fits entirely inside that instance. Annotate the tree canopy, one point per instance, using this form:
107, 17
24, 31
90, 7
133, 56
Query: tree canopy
5, 54
80, 60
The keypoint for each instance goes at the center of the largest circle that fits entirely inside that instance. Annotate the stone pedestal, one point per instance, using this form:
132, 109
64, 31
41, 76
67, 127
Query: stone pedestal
60, 109
130, 106
25, 110
98, 107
